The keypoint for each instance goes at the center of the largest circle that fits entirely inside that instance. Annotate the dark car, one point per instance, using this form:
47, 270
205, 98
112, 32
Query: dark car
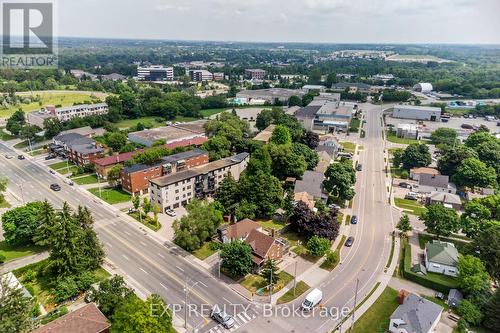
467, 126
359, 167
55, 187
404, 185
52, 171
49, 157
349, 241
20, 157
222, 318
354, 219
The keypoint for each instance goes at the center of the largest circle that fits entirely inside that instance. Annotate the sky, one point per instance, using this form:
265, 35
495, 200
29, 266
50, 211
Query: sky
332, 21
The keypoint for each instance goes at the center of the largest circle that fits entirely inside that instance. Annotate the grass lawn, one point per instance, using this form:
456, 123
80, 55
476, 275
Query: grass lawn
73, 169
63, 98
354, 125
289, 296
5, 136
399, 173
410, 206
111, 195
59, 165
14, 252
90, 179
22, 144
37, 152
42, 283
204, 252
391, 137
4, 203
150, 121
254, 282
270, 224
377, 317
146, 220
349, 147
329, 266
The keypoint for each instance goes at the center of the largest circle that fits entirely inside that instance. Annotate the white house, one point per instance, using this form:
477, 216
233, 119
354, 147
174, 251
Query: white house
428, 183
441, 257
415, 315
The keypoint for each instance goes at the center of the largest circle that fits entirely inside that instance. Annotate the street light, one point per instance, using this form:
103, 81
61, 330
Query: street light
186, 292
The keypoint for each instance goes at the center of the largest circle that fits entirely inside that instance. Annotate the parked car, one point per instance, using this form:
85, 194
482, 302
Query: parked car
222, 318
170, 212
439, 295
131, 210
52, 171
69, 182
50, 156
411, 196
7, 156
346, 155
20, 157
404, 185
467, 126
312, 299
349, 241
354, 219
359, 167
334, 206
55, 187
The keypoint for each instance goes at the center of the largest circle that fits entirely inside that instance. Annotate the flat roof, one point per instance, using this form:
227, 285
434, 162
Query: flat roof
168, 133
417, 107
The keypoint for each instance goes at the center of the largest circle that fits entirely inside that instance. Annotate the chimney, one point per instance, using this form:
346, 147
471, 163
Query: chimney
273, 232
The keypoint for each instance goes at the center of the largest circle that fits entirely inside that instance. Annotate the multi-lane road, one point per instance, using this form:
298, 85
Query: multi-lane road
155, 267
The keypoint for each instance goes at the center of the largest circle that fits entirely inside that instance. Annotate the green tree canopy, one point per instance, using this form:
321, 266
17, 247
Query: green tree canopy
318, 246
453, 157
15, 308
474, 173
110, 295
472, 275
236, 258
281, 135
444, 136
440, 220
20, 224
415, 156
487, 246
340, 180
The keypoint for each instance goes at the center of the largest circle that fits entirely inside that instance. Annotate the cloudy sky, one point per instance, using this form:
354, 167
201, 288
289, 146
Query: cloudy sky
335, 21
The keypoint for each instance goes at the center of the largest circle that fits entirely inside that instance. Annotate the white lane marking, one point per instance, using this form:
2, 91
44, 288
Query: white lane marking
126, 232
143, 244
161, 255
234, 328
109, 245
179, 268
204, 285
143, 270
124, 256
246, 315
242, 318
226, 300
163, 286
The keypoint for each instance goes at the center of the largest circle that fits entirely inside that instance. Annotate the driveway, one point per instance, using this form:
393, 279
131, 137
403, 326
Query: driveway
166, 231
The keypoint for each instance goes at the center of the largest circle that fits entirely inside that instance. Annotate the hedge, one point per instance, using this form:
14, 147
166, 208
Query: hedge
434, 281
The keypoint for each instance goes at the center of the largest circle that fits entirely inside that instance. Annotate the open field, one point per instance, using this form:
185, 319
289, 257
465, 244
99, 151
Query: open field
377, 318
63, 98
111, 195
410, 206
14, 252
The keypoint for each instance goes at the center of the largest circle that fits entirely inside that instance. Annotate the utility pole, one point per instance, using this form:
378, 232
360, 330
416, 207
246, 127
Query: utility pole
355, 300
271, 287
220, 262
99, 182
185, 304
295, 278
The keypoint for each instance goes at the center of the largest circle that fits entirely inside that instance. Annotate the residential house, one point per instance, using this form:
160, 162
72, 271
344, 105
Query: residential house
264, 247
448, 200
441, 257
305, 198
482, 193
237, 231
324, 162
330, 145
416, 172
428, 183
312, 183
87, 319
415, 315
105, 164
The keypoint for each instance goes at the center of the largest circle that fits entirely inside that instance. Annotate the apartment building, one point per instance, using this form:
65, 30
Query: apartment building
200, 75
155, 73
105, 164
66, 113
172, 191
77, 148
255, 73
135, 179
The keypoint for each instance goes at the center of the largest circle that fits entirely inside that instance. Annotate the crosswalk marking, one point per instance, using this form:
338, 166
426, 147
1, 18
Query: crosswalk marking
240, 319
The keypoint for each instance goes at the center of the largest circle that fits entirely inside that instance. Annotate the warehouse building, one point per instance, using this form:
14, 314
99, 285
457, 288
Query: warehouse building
423, 87
326, 116
417, 112
271, 96
170, 134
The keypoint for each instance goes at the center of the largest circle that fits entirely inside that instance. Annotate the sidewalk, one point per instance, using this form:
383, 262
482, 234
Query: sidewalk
21, 262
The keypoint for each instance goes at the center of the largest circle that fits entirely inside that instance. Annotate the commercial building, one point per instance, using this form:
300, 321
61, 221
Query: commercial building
200, 75
170, 134
172, 191
255, 73
423, 87
326, 116
352, 87
135, 179
313, 87
441, 257
407, 131
66, 113
417, 112
271, 96
77, 148
155, 73
415, 315
416, 172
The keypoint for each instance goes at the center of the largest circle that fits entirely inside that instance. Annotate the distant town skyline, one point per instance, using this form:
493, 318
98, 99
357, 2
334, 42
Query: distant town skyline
323, 21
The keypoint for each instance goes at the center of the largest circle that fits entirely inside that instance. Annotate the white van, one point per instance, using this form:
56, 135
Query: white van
312, 299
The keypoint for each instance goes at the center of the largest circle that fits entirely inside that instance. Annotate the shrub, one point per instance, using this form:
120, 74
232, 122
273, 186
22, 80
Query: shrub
29, 276
318, 246
213, 246
2, 258
332, 259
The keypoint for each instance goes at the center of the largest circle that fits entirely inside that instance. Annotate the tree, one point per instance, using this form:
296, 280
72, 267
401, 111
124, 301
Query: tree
415, 156
340, 179
135, 315
444, 136
477, 138
310, 139
197, 226
91, 250
331, 78
20, 224
110, 295
146, 206
487, 245
492, 312
46, 222
281, 135
440, 220
489, 153
294, 101
287, 163
264, 119
236, 258
309, 155
478, 215
397, 157
470, 312
16, 122
3, 187
156, 210
270, 272
262, 190
404, 224
260, 161
15, 308
116, 140
29, 132
452, 157
474, 173
52, 126
218, 147
113, 177
472, 275
306, 223
136, 201
228, 194
318, 246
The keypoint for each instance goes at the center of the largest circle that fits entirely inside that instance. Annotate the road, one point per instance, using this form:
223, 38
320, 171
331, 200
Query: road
151, 267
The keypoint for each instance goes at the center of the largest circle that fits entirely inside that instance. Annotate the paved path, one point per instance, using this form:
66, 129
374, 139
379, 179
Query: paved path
21, 262
398, 284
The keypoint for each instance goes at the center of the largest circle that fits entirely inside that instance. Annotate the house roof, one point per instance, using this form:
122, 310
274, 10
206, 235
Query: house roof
197, 141
455, 294
87, 319
417, 314
70, 139
305, 198
440, 181
330, 150
312, 183
266, 134
307, 111
324, 161
241, 229
86, 131
168, 159
441, 253
260, 243
446, 198
430, 171
114, 159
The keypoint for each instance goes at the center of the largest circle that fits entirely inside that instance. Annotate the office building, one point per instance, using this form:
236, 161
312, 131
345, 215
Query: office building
417, 112
258, 74
326, 116
155, 73
66, 113
172, 191
200, 75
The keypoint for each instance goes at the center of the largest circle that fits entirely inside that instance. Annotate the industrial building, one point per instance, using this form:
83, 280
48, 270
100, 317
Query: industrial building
407, 131
170, 134
155, 73
423, 87
326, 116
272, 95
416, 112
180, 188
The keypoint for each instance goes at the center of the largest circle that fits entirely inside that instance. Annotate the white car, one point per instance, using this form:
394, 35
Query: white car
170, 212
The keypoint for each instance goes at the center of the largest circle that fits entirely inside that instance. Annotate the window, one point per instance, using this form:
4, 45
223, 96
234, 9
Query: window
176, 191
176, 198
189, 187
436, 265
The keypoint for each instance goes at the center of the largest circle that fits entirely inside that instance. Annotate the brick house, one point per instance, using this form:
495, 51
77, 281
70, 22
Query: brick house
237, 231
264, 247
103, 165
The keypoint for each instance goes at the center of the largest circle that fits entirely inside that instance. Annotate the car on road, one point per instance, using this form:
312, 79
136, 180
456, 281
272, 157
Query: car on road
349, 241
55, 187
7, 156
170, 212
359, 167
69, 182
312, 299
334, 206
222, 318
404, 185
52, 171
20, 157
354, 219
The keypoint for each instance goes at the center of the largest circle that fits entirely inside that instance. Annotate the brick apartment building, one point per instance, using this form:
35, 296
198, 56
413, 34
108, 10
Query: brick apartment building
77, 148
135, 179
105, 164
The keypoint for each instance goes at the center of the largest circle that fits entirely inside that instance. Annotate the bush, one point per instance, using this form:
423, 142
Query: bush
2, 258
29, 276
53, 315
213, 246
318, 246
470, 312
70, 286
